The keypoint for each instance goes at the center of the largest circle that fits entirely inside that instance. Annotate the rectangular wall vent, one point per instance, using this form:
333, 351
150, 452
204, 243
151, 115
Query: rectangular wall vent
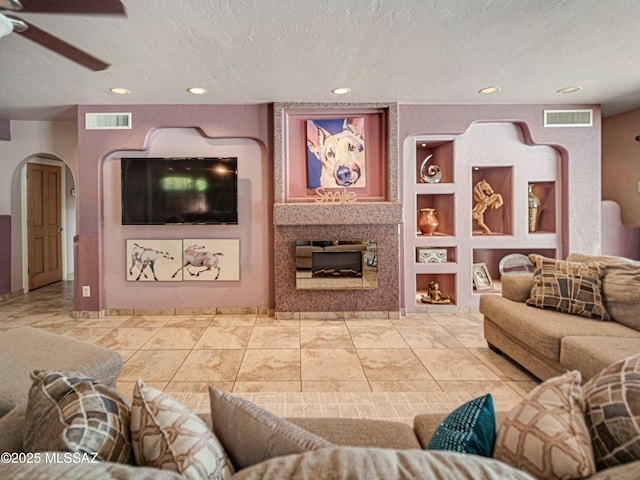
107, 121
568, 118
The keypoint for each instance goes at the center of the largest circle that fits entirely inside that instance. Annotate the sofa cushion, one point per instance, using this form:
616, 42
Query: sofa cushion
470, 428
620, 287
70, 413
569, 287
342, 463
166, 435
517, 286
82, 471
360, 432
25, 349
592, 354
546, 434
251, 434
542, 330
612, 410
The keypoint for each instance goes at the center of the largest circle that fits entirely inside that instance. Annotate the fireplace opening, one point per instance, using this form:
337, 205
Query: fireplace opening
336, 264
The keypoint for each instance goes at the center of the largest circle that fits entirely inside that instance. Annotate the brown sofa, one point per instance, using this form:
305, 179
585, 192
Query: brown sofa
548, 343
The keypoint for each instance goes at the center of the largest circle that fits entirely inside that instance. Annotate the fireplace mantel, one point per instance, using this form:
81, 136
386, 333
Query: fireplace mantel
375, 218
358, 213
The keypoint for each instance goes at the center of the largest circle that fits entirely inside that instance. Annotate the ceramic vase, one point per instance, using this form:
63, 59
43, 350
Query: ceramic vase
427, 221
534, 210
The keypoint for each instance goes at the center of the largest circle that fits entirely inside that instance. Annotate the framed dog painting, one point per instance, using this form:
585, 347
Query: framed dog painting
336, 153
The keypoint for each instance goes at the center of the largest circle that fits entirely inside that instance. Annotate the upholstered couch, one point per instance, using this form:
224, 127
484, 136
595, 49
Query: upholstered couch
259, 445
547, 342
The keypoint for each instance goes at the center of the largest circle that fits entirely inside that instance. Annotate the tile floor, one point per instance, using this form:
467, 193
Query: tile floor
374, 368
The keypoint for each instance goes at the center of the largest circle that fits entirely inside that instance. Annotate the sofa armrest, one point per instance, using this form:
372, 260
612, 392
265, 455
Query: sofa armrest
11, 428
517, 287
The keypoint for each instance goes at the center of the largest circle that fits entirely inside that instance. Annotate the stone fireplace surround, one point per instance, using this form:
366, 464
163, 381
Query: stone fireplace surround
378, 221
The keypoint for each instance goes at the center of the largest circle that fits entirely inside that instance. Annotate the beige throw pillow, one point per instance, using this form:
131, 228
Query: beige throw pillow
569, 287
612, 410
620, 287
546, 434
166, 435
251, 434
72, 413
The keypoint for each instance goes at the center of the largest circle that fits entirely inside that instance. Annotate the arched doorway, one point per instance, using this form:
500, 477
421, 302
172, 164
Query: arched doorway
49, 221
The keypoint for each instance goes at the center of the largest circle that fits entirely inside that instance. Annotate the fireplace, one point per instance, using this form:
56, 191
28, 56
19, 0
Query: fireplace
336, 264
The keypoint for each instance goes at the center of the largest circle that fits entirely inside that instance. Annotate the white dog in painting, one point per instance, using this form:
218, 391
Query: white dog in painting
341, 154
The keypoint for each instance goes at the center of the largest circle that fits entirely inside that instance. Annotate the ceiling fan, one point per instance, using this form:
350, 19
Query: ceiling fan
12, 23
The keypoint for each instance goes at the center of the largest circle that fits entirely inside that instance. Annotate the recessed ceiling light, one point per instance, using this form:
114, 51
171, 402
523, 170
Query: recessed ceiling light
197, 90
119, 91
489, 90
341, 91
569, 90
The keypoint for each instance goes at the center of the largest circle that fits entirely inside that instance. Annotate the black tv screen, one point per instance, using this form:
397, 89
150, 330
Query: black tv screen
159, 191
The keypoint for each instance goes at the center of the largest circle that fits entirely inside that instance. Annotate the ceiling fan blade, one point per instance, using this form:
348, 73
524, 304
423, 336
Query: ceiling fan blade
110, 7
61, 47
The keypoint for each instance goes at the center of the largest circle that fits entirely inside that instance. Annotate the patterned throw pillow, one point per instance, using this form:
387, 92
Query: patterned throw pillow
251, 434
546, 434
612, 410
166, 435
569, 287
470, 428
71, 413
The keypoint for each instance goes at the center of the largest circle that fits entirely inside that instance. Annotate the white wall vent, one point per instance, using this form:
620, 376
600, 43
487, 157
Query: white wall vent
107, 121
568, 118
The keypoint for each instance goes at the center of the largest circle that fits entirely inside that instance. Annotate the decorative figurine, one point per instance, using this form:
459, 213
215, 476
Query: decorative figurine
434, 295
484, 197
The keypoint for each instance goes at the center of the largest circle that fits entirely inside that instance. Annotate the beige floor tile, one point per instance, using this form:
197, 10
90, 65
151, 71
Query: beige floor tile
106, 322
454, 364
89, 334
174, 338
428, 336
504, 397
230, 337
233, 320
523, 388
335, 386
210, 365
187, 321
263, 321
392, 363
270, 365
404, 386
127, 338
197, 387
275, 337
325, 336
376, 336
243, 387
448, 320
126, 387
502, 366
146, 321
341, 364
468, 336
126, 354
150, 365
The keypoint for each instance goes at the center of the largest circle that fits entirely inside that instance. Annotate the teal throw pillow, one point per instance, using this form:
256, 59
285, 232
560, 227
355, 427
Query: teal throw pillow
471, 428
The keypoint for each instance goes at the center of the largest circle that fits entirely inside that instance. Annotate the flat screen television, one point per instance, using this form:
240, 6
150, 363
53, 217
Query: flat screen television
160, 191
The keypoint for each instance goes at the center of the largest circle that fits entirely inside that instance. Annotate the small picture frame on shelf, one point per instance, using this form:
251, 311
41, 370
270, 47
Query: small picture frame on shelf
432, 255
481, 277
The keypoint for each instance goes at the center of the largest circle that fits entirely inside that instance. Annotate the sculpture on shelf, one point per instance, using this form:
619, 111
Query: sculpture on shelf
485, 197
434, 295
429, 173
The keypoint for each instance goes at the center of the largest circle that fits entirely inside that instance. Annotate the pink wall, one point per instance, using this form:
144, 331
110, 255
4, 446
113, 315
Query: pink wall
94, 147
579, 148
5, 254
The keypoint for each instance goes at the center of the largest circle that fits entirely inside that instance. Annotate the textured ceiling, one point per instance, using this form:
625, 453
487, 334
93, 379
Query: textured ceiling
408, 51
